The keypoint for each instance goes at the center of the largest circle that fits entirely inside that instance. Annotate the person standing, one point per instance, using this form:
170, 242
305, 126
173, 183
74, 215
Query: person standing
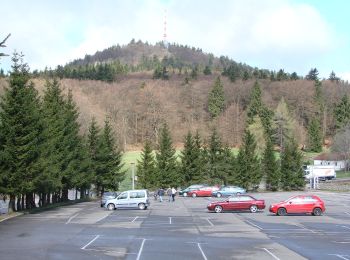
161, 194
173, 193
169, 193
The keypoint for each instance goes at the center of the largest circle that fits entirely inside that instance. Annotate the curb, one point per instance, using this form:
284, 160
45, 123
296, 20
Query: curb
11, 216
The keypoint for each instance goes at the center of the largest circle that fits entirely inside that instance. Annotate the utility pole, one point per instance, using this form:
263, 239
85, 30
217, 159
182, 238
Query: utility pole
133, 175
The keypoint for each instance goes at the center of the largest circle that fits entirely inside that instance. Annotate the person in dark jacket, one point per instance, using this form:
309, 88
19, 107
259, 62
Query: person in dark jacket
161, 194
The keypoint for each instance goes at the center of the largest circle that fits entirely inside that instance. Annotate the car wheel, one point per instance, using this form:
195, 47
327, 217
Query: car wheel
194, 195
281, 212
218, 209
111, 206
253, 208
142, 206
218, 195
317, 212
185, 194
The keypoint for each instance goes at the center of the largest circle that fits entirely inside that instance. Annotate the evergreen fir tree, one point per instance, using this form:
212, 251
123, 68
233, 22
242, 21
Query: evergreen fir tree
315, 136
270, 167
146, 168
166, 165
342, 112
292, 177
92, 146
248, 169
110, 167
216, 160
207, 70
255, 103
216, 99
53, 149
20, 135
312, 75
187, 167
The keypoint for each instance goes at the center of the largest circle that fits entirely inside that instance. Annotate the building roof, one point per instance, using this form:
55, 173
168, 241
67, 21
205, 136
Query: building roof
331, 157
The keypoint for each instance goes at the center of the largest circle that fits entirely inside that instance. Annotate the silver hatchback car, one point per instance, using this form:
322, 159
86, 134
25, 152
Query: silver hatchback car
129, 199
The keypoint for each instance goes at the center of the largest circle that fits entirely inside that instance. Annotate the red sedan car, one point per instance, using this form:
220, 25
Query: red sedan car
202, 192
299, 204
241, 202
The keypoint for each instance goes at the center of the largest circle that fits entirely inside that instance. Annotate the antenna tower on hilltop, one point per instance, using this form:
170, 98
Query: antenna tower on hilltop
165, 41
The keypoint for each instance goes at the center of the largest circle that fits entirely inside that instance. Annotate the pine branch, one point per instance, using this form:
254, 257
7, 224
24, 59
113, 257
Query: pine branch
2, 43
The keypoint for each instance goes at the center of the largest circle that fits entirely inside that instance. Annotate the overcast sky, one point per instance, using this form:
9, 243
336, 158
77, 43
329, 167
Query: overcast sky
294, 35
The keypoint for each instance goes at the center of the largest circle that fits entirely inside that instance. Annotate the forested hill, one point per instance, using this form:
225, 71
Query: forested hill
141, 86
114, 62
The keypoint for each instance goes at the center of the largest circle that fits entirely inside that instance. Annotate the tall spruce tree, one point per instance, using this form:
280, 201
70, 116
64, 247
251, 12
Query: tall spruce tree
216, 99
292, 177
248, 169
216, 160
315, 136
76, 173
270, 167
50, 181
186, 166
110, 167
255, 103
92, 146
166, 165
342, 112
20, 136
146, 168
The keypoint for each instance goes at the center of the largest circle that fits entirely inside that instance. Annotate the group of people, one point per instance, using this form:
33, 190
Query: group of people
170, 192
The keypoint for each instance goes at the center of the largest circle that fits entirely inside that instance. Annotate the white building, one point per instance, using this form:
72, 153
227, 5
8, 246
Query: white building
337, 160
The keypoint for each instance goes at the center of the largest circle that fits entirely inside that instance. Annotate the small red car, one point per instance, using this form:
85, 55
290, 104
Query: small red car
239, 202
202, 192
299, 204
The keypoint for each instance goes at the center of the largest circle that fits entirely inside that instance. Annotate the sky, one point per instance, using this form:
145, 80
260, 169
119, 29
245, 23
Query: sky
294, 35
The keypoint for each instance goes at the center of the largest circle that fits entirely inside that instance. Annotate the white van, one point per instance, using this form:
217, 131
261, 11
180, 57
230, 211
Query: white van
129, 199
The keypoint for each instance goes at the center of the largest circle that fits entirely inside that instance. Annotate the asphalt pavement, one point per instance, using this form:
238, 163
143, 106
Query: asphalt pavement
183, 229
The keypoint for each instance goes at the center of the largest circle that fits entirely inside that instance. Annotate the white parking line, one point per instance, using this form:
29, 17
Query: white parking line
252, 224
270, 253
200, 249
303, 227
210, 222
96, 237
102, 218
346, 227
140, 251
70, 219
170, 220
134, 219
340, 256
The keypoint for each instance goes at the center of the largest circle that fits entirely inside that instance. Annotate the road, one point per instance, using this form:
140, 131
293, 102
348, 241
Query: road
180, 230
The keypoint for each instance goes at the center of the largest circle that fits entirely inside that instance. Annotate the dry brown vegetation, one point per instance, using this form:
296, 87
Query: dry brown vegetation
137, 105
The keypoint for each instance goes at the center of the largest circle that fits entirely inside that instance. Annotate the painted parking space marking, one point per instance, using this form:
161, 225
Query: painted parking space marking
72, 217
202, 252
96, 237
211, 223
346, 227
140, 250
341, 256
132, 221
270, 253
170, 220
254, 225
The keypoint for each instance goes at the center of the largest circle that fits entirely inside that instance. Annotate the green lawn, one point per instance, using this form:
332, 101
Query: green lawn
342, 174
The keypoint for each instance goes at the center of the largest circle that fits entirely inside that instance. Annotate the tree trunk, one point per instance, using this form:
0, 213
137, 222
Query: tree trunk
12, 203
19, 203
64, 194
48, 198
23, 205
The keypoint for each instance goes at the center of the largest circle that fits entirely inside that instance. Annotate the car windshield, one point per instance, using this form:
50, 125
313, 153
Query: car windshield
290, 198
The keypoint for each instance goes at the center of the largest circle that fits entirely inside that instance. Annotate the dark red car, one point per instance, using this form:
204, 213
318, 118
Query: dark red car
240, 202
202, 192
299, 204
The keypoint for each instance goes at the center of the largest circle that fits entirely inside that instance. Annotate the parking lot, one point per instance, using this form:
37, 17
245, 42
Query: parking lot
183, 229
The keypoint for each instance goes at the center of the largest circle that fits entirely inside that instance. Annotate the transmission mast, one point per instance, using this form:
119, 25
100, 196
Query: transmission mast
165, 41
